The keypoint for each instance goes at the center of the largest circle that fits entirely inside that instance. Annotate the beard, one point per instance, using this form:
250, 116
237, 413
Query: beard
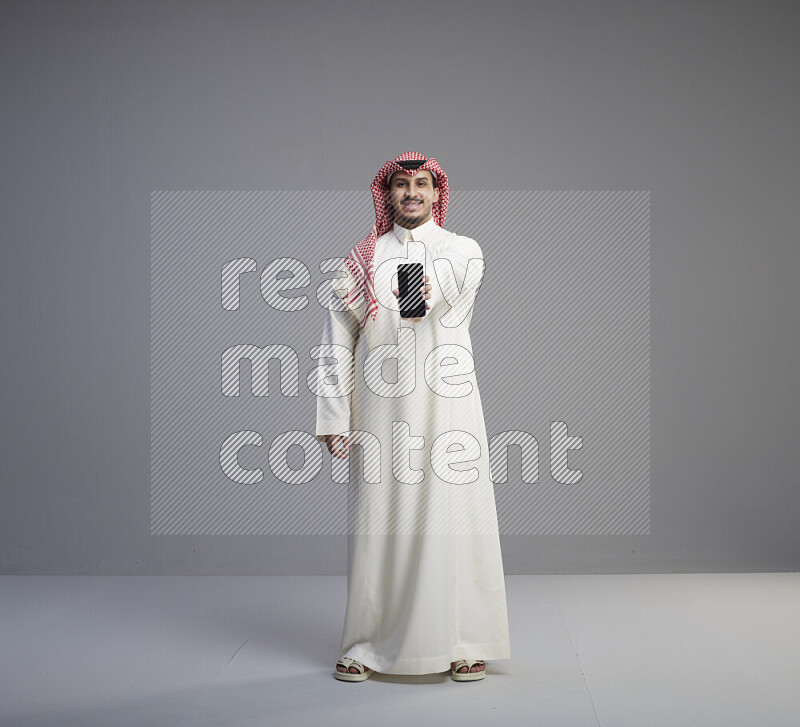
403, 217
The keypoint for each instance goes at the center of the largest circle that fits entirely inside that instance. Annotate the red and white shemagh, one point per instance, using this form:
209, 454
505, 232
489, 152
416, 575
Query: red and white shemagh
360, 261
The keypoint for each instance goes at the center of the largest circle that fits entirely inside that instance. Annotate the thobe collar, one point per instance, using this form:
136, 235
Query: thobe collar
402, 234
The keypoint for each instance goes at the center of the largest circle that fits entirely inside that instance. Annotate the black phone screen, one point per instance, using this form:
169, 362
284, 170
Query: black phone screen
409, 282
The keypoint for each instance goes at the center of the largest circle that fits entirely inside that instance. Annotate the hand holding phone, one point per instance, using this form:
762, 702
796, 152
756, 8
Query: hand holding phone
413, 291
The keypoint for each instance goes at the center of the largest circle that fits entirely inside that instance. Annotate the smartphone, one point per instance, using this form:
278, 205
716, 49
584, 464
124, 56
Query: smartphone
409, 281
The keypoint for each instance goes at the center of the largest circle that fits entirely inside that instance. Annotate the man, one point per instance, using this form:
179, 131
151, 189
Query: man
426, 586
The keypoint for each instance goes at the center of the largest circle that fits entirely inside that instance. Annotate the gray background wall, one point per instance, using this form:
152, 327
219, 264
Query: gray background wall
104, 102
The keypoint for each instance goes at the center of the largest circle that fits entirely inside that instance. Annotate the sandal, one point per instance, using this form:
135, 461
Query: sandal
468, 676
364, 672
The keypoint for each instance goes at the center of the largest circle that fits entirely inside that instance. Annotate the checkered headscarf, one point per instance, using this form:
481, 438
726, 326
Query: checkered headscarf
360, 261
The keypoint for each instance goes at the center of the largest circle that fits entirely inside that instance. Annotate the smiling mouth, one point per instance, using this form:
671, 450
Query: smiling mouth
412, 204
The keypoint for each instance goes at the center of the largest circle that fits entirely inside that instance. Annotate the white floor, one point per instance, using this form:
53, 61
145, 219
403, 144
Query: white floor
617, 650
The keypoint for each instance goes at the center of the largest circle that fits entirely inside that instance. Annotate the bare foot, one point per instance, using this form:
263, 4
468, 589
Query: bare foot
480, 666
352, 669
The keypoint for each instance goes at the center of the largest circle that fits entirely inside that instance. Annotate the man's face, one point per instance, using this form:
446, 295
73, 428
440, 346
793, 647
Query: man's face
411, 197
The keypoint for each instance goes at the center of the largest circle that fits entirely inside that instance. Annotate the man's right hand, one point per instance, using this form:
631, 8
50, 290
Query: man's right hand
338, 445
426, 294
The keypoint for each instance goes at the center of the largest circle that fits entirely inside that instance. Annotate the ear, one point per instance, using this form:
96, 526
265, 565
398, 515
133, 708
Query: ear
435, 194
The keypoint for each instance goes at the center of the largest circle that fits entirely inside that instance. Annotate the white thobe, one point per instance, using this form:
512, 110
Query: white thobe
425, 581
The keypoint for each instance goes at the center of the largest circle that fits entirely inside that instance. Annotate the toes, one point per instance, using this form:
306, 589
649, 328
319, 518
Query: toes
353, 670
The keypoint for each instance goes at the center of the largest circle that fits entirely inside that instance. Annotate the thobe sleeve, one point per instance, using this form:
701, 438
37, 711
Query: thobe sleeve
459, 250
333, 412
